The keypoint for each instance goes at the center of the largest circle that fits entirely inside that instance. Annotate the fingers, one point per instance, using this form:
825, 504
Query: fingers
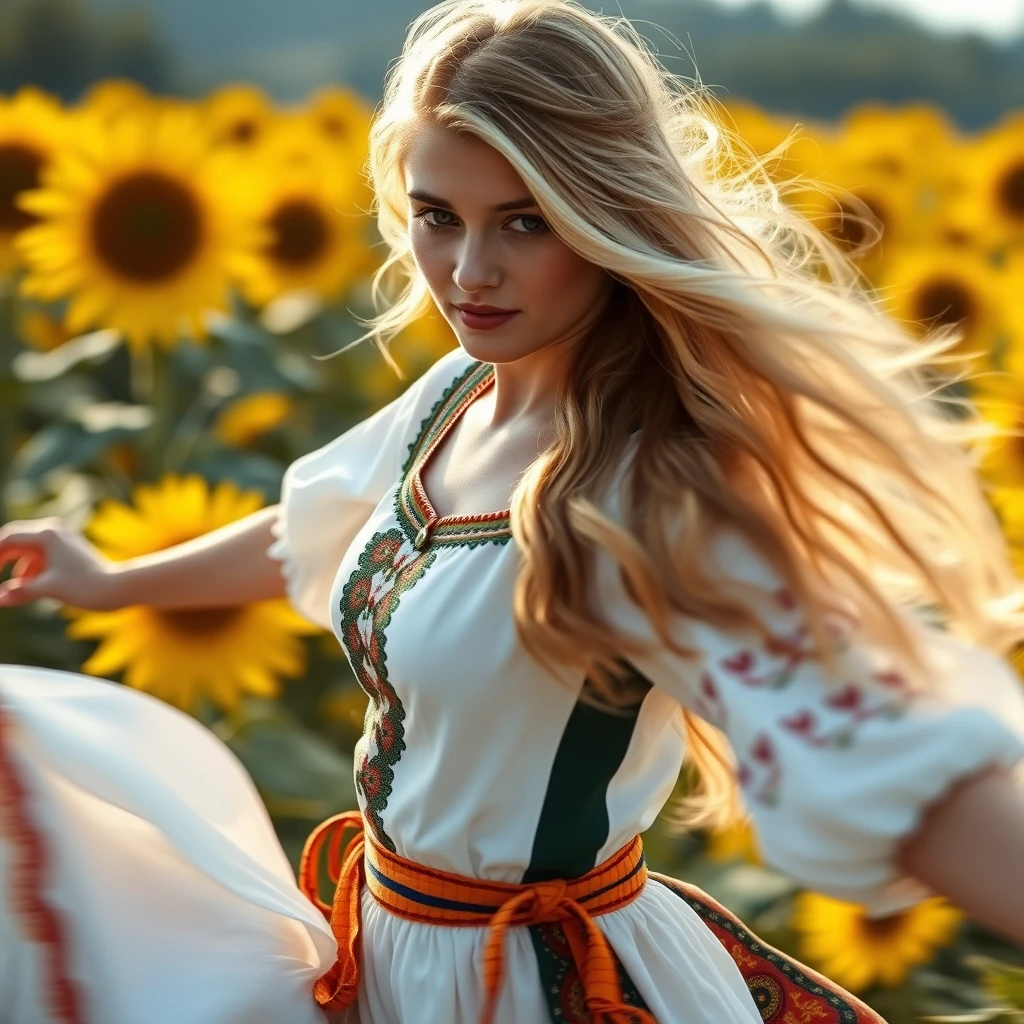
28, 542
20, 591
26, 548
28, 561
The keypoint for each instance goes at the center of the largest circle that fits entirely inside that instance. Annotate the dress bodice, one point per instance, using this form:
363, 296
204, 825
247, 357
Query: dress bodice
475, 760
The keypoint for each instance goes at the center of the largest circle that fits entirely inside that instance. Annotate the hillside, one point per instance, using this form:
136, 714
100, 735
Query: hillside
817, 69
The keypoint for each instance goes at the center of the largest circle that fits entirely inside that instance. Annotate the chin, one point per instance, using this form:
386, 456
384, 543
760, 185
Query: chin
489, 349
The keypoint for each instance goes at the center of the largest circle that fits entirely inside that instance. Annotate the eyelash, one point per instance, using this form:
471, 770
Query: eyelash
443, 227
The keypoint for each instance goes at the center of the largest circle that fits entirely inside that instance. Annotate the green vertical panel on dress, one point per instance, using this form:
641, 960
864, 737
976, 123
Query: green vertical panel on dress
572, 828
573, 824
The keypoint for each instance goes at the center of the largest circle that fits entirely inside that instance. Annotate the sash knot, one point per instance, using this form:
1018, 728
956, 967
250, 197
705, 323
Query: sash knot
424, 894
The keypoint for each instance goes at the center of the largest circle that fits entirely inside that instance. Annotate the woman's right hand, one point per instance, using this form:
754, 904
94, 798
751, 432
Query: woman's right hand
51, 560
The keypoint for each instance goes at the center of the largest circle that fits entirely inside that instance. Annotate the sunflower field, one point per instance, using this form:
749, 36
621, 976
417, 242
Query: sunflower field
171, 269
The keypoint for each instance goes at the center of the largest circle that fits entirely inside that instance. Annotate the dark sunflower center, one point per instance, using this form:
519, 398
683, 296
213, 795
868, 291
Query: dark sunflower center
333, 126
19, 170
200, 622
957, 236
242, 131
888, 163
847, 225
147, 227
1011, 192
300, 234
943, 301
881, 928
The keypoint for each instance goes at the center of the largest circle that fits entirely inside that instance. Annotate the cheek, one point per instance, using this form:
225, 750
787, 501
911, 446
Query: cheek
425, 255
564, 279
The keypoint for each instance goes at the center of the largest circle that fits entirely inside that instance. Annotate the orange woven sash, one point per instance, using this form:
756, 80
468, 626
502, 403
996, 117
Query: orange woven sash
423, 894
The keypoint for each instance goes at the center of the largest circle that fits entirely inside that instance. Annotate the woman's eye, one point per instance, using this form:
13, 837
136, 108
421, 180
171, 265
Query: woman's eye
538, 220
540, 227
431, 224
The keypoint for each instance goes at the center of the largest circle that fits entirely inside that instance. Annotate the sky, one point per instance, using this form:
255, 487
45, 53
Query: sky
995, 19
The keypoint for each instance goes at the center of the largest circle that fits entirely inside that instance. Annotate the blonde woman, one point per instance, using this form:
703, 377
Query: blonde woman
681, 492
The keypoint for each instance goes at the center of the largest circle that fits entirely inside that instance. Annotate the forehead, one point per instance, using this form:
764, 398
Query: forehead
459, 167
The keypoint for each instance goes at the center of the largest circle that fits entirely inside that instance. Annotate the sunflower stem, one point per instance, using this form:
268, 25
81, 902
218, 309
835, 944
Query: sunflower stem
157, 381
9, 389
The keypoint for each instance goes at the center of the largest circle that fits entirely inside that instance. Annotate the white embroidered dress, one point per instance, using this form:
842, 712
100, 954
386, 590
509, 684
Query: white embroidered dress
137, 848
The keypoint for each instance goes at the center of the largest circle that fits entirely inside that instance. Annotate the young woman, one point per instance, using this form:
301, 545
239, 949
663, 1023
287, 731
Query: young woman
682, 490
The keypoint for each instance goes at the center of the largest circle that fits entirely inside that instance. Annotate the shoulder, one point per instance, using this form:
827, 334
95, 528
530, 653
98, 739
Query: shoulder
382, 441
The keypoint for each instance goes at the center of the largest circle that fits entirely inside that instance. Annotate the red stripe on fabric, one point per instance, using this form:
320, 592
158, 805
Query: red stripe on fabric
40, 922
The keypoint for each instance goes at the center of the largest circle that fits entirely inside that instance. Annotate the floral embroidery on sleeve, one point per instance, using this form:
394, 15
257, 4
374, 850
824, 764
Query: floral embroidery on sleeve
828, 718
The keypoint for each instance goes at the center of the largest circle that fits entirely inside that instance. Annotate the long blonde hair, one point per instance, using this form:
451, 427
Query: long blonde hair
772, 392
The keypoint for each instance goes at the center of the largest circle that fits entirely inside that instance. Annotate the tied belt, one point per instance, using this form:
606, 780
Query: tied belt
424, 894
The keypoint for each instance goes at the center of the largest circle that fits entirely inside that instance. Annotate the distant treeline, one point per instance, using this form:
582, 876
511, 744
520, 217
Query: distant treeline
817, 70
64, 46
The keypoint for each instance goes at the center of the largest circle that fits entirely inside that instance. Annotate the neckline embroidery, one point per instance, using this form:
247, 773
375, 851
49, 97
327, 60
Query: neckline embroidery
413, 510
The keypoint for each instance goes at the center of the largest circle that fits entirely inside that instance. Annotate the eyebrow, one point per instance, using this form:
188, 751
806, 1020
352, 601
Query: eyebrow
514, 204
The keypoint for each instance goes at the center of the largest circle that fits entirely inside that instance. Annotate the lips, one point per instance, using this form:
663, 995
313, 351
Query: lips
483, 310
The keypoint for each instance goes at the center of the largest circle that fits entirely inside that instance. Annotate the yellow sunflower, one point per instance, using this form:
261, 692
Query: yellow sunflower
32, 126
940, 285
138, 226
895, 143
245, 420
180, 655
305, 201
238, 116
1008, 502
863, 211
762, 132
42, 330
994, 173
736, 842
331, 129
343, 117
856, 951
108, 100
1000, 401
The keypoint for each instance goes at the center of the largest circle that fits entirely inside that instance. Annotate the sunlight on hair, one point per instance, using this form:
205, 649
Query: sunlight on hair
772, 392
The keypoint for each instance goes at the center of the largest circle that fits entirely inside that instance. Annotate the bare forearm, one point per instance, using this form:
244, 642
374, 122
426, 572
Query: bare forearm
228, 566
970, 847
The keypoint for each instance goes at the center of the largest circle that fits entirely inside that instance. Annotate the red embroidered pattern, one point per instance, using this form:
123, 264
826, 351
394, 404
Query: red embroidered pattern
853, 705
387, 569
784, 990
39, 921
833, 724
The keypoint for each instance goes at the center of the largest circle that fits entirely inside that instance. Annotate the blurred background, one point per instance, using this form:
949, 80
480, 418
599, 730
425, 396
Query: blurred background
184, 225
810, 58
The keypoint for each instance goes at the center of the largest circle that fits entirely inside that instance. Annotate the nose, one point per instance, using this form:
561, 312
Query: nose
476, 268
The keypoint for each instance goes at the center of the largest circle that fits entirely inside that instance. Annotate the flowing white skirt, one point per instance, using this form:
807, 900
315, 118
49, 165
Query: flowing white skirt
140, 877
141, 882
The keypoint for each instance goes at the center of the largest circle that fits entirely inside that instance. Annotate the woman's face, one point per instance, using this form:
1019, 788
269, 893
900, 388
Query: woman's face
472, 252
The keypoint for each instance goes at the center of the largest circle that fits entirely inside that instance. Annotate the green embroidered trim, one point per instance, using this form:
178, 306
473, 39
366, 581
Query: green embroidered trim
462, 531
420, 441
388, 567
480, 532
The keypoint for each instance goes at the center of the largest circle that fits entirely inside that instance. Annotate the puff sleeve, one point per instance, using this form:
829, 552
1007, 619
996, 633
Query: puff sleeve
328, 494
835, 772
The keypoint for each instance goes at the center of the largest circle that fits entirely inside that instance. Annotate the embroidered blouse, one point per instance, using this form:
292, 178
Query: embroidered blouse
475, 761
